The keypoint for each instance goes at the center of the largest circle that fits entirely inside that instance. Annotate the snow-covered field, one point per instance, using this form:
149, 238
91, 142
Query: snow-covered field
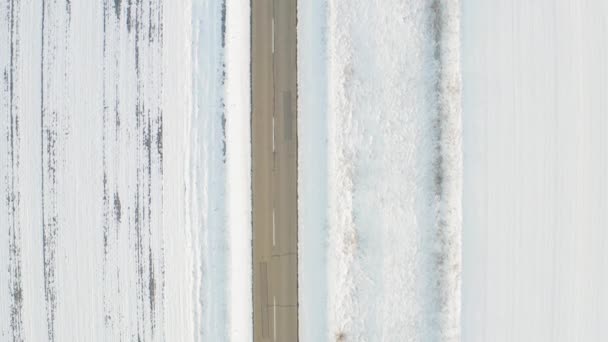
124, 153
379, 170
535, 123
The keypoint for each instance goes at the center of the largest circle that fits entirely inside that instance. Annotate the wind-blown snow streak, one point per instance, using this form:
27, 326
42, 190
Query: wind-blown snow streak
393, 170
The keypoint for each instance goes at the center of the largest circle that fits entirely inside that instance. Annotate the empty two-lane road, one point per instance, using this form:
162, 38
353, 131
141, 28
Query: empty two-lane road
274, 170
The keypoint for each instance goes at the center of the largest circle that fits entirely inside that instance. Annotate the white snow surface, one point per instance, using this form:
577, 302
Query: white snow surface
535, 205
206, 187
115, 169
238, 164
379, 170
90, 171
219, 183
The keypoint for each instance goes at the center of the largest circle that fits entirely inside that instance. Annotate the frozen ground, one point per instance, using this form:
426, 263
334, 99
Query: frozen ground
379, 163
123, 126
535, 123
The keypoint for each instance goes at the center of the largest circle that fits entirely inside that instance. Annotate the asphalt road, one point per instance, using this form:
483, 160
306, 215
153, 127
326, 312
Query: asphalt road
274, 168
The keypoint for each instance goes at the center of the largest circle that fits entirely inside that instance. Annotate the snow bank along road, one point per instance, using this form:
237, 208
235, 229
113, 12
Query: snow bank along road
274, 178
535, 260
125, 206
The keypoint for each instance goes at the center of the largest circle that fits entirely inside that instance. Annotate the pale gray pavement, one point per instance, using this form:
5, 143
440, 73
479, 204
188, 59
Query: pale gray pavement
274, 168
